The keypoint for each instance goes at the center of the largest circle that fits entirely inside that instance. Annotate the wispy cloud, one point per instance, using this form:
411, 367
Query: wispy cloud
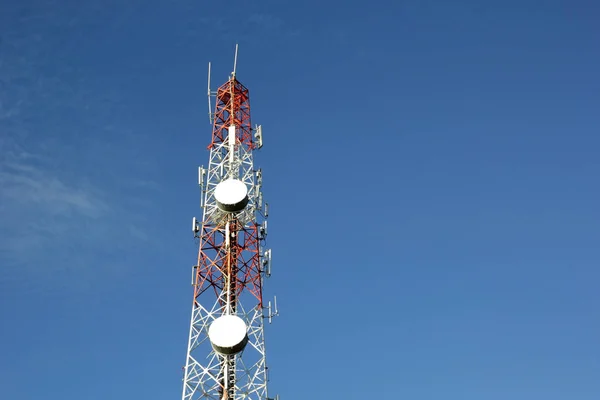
27, 185
54, 224
63, 211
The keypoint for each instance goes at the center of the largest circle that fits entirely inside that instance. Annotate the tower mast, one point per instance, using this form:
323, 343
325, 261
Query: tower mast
226, 357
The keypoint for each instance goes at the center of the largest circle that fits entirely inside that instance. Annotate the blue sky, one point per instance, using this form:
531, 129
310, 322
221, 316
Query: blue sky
432, 169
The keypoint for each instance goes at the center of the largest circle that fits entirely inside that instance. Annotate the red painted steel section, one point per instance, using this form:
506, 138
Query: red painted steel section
232, 107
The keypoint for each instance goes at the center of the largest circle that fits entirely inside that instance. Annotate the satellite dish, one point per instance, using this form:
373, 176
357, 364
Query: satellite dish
228, 334
231, 195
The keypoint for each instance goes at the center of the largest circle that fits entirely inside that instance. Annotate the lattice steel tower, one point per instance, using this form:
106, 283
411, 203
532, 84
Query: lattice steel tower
226, 348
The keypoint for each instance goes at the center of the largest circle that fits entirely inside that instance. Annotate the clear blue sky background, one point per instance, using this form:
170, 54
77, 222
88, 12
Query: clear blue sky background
432, 168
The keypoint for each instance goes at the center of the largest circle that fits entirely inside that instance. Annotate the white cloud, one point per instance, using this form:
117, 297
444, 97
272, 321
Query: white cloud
38, 206
72, 207
26, 185
58, 231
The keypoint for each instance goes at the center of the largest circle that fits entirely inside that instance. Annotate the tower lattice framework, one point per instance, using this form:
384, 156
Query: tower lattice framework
232, 262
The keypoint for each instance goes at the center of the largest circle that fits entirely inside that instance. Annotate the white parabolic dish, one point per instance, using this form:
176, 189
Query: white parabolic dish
231, 195
228, 334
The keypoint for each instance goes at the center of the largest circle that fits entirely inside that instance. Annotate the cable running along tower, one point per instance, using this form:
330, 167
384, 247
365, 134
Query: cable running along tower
226, 349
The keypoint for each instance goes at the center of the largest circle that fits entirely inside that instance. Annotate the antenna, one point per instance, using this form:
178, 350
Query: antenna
273, 311
195, 227
267, 263
235, 60
258, 136
209, 93
194, 267
201, 177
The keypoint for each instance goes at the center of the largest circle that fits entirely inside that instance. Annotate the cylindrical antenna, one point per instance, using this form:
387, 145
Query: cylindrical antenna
208, 86
228, 276
208, 93
231, 140
235, 59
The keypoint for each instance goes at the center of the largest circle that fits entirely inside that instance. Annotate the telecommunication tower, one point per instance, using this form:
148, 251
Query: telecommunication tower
226, 357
